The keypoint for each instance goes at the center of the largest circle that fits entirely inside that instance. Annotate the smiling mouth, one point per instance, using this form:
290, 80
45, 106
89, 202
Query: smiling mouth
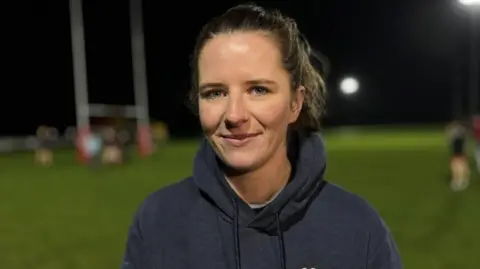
238, 140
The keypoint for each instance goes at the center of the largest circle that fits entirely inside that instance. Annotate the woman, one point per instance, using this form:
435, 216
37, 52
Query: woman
257, 198
459, 168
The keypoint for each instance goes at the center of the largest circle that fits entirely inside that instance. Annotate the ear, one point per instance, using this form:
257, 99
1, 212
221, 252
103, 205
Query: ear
298, 98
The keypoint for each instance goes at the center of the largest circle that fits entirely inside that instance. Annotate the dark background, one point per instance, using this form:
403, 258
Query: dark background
410, 57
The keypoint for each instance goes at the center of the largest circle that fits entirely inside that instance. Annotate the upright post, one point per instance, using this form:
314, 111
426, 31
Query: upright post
144, 137
80, 77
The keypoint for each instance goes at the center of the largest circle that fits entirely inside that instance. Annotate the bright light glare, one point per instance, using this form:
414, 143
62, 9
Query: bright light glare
349, 86
469, 2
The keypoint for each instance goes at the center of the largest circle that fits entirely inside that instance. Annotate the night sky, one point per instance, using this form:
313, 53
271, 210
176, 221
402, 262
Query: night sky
410, 57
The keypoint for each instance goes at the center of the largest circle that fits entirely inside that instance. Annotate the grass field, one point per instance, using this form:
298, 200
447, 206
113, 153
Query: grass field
73, 217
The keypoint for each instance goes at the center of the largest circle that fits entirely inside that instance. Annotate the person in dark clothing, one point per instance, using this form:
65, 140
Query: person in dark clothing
257, 198
46, 137
459, 168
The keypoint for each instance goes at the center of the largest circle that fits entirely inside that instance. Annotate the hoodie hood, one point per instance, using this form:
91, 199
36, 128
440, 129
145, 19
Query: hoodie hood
307, 154
200, 222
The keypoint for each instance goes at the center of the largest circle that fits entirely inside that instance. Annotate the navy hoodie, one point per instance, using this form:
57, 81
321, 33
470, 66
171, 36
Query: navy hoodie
200, 223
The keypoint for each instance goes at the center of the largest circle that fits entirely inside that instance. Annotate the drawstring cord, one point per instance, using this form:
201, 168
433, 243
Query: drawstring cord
236, 238
281, 243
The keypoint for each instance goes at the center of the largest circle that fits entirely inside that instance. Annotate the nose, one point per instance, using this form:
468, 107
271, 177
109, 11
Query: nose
236, 112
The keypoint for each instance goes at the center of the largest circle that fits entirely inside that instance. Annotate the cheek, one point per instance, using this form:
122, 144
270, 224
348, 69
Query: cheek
274, 114
210, 117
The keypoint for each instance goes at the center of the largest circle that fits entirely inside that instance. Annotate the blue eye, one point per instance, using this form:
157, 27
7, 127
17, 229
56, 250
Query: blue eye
258, 90
213, 94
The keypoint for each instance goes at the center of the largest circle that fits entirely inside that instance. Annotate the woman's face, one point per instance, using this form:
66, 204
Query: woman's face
245, 100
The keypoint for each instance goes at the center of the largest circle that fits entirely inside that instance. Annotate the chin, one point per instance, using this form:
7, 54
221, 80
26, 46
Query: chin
240, 161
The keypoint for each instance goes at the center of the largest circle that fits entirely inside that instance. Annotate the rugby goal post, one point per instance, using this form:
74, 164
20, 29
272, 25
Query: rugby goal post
85, 110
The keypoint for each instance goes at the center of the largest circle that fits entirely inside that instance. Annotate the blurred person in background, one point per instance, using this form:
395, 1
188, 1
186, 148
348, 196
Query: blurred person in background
160, 134
45, 139
257, 198
459, 168
111, 151
123, 138
476, 137
93, 145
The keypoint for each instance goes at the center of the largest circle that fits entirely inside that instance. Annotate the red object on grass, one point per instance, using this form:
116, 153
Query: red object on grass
144, 140
82, 155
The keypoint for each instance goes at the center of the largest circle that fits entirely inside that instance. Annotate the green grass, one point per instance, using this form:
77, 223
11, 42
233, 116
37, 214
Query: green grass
71, 217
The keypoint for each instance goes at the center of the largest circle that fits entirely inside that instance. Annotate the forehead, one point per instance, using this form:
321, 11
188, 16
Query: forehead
240, 56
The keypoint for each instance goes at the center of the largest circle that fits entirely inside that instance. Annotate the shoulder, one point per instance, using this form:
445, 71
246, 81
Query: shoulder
351, 207
168, 202
359, 216
158, 220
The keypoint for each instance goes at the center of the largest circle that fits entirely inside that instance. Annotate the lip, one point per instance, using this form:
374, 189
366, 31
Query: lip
238, 140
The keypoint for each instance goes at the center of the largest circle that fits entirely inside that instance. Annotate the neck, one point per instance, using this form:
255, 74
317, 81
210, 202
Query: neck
261, 185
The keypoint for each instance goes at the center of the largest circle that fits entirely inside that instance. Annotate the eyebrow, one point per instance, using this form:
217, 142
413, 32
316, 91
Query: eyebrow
260, 81
207, 85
